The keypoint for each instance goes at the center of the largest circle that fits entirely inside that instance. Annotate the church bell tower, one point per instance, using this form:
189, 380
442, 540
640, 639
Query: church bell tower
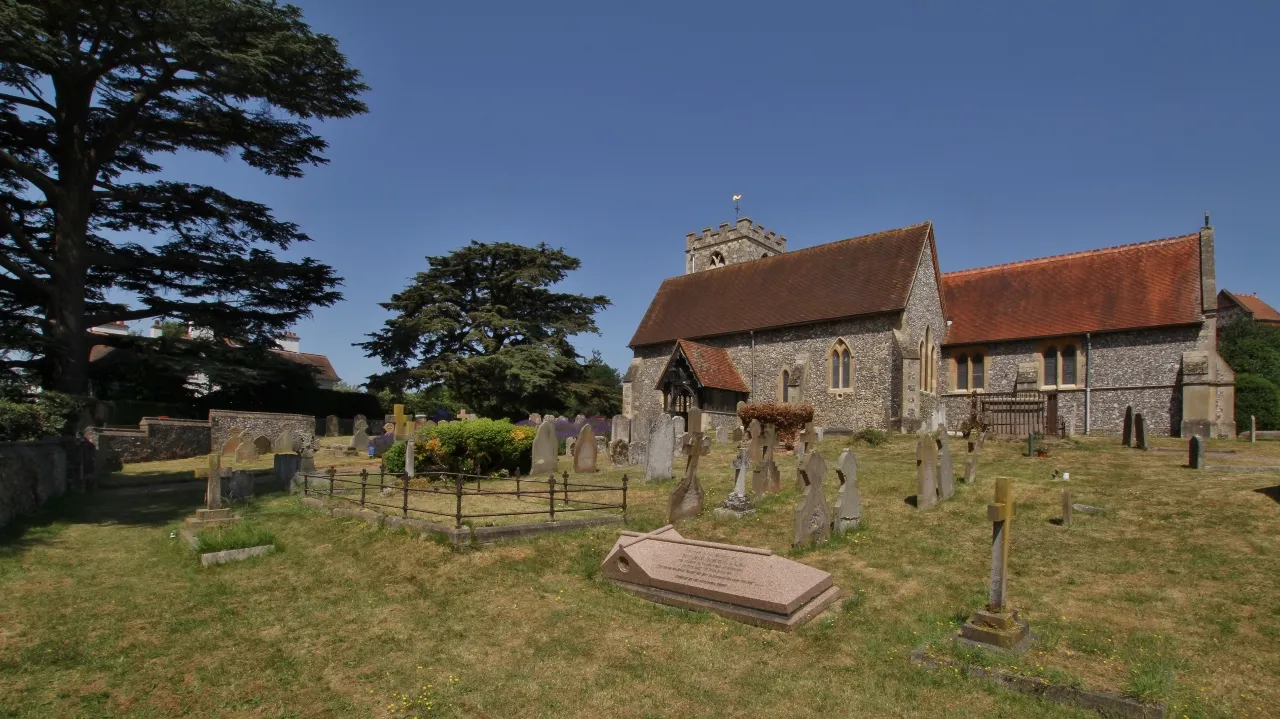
730, 245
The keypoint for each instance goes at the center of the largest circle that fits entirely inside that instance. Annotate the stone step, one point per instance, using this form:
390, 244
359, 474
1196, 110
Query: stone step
199, 524
213, 513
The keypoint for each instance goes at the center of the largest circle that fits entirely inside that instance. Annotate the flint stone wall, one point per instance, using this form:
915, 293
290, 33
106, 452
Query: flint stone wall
32, 473
258, 424
1140, 368
154, 440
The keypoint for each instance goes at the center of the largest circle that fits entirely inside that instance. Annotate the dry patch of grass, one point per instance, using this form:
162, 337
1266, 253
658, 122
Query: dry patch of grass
1171, 592
186, 470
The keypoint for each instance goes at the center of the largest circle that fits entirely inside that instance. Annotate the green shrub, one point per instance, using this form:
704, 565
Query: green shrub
1258, 397
787, 417
19, 421
44, 415
236, 536
872, 436
393, 458
476, 446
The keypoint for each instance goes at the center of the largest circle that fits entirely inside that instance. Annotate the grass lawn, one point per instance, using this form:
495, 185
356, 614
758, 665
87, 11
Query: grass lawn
186, 470
1173, 592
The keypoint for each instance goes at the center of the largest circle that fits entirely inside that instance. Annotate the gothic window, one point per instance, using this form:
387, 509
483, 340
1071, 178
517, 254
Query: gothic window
969, 366
962, 372
1050, 366
841, 366
717, 259
786, 386
929, 359
979, 380
1069, 365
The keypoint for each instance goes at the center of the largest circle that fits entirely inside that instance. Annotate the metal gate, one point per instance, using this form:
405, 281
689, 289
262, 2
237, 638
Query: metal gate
1016, 414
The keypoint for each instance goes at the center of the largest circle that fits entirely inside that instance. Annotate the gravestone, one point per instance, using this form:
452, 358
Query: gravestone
738, 504
772, 477
535, 418
1139, 431
234, 438
213, 484
722, 434
848, 509
946, 473
926, 475
687, 497
308, 461
755, 450
579, 419
263, 445
638, 454
999, 625
359, 443
706, 445
1195, 459
331, 426
584, 451
678, 426
660, 448
812, 520
401, 421
974, 448
1066, 507
284, 443
246, 451
736, 435
213, 514
569, 444
1126, 436
285, 466
621, 428
619, 453
805, 444
240, 487
358, 419
745, 584
821, 432
429, 424
1253, 429
545, 449
409, 470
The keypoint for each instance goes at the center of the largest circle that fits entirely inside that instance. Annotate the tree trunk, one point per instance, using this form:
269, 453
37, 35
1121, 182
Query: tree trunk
66, 314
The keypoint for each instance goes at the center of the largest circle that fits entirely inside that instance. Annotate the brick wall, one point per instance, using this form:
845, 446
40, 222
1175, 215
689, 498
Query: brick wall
32, 473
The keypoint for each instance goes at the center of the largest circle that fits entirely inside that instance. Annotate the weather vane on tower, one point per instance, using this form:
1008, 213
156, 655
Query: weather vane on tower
737, 211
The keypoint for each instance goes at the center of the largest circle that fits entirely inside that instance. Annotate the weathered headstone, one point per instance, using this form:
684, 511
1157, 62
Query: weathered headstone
1126, 436
736, 435
285, 466
706, 445
1253, 428
584, 451
946, 473
535, 418
974, 447
263, 445
755, 450
213, 485
805, 444
687, 497
772, 477
999, 625
246, 451
745, 584
213, 514
545, 450
821, 432
359, 439
569, 445
409, 470
579, 419
1195, 459
619, 453
1066, 507
926, 478
812, 520
738, 504
308, 463
660, 448
848, 509
621, 428
722, 434
234, 438
331, 428
240, 487
284, 443
678, 426
1139, 431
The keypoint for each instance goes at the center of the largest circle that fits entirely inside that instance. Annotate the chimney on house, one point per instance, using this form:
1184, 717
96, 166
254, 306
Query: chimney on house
289, 342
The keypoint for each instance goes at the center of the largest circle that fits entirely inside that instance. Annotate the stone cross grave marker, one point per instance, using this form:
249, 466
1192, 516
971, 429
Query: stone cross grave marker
1126, 436
738, 503
946, 473
1195, 457
807, 442
848, 509
687, 497
584, 451
772, 477
213, 486
401, 421
998, 625
812, 520
545, 450
926, 477
755, 451
660, 449
331, 426
359, 439
745, 584
1139, 431
974, 447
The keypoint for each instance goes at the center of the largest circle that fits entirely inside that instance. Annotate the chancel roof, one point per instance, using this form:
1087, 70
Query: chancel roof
859, 276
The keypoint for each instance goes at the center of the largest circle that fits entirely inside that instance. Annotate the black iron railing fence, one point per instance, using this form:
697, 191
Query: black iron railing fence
555, 497
1017, 414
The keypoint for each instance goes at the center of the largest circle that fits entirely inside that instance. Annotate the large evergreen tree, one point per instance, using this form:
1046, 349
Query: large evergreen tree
90, 94
483, 321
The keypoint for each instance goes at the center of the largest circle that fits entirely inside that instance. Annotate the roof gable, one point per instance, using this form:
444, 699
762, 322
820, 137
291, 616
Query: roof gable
1261, 311
1151, 284
712, 367
859, 276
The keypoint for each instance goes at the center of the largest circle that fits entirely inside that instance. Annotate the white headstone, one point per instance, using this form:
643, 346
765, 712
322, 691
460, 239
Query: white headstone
545, 445
661, 448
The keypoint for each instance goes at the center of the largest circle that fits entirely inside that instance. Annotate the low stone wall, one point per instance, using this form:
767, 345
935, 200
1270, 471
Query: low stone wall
32, 473
154, 440
257, 424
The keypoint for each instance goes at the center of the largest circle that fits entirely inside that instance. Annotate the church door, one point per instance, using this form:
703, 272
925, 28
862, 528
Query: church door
1051, 426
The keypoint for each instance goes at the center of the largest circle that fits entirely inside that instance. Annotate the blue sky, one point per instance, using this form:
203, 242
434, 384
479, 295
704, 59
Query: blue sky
611, 130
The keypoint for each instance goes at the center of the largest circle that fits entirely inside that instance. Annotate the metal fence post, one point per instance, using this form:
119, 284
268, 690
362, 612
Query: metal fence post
382, 477
551, 492
458, 492
404, 509
364, 483
566, 489
624, 497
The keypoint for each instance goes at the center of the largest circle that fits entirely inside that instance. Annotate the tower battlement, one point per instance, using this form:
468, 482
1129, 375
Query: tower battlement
731, 244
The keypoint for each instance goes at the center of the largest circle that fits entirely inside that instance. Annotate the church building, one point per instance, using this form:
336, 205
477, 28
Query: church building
871, 334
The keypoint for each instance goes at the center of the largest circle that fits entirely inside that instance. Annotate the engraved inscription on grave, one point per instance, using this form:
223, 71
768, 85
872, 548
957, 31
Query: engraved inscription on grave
709, 568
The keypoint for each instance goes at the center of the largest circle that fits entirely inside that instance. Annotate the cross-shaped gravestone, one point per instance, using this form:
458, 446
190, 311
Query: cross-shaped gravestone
806, 443
812, 520
926, 475
772, 478
737, 503
213, 487
848, 510
401, 428
686, 498
998, 624
755, 451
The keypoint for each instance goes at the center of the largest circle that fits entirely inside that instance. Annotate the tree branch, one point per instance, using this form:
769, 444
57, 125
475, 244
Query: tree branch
106, 144
103, 318
25, 244
37, 104
25, 275
31, 174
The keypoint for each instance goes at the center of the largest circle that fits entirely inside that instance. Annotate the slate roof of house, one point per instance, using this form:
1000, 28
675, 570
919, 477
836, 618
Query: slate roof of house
859, 276
1150, 284
325, 371
711, 365
1261, 311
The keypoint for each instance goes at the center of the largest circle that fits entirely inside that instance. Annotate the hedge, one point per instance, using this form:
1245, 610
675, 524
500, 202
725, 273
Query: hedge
789, 418
1258, 397
474, 446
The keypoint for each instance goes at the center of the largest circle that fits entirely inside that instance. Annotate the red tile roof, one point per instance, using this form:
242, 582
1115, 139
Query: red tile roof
320, 362
1261, 311
712, 366
1152, 284
859, 276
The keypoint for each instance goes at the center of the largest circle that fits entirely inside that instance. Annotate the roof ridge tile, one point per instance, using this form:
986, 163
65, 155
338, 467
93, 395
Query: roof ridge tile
1070, 255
